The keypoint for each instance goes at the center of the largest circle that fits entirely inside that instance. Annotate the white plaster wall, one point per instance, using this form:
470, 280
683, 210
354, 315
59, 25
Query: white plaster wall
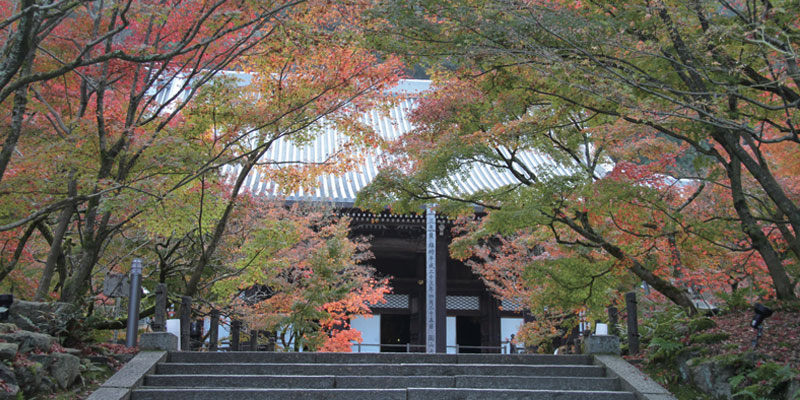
370, 328
508, 326
451, 335
224, 329
174, 327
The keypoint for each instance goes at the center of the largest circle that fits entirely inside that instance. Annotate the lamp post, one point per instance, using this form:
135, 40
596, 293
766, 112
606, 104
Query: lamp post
762, 313
6, 300
133, 302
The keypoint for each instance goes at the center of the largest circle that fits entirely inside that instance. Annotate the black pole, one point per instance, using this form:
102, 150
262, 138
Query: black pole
186, 320
160, 317
633, 323
271, 341
213, 330
133, 303
236, 327
759, 331
613, 320
254, 340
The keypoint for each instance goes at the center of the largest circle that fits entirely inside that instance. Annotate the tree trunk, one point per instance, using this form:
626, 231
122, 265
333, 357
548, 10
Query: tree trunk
75, 286
18, 251
675, 294
95, 231
20, 58
94, 234
781, 282
61, 262
219, 230
762, 174
55, 245
22, 46
790, 238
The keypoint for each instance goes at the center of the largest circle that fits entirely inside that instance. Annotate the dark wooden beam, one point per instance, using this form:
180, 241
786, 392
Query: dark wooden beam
397, 247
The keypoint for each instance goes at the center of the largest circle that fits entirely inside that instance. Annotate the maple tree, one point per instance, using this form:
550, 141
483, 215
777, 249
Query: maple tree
146, 115
300, 275
314, 84
290, 270
456, 133
677, 121
89, 103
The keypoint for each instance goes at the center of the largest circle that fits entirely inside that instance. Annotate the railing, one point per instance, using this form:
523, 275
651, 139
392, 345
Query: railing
192, 338
357, 347
479, 349
503, 348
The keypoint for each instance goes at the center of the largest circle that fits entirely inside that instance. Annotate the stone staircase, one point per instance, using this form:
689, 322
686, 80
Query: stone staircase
260, 375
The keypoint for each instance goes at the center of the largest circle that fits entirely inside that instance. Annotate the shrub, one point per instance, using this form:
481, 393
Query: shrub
701, 324
767, 381
708, 338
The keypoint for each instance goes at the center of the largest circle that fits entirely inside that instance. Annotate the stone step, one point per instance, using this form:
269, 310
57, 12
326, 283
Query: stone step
242, 381
378, 369
372, 394
376, 358
378, 382
538, 383
271, 394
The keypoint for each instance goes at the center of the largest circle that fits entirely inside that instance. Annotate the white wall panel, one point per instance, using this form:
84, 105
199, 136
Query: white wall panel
451, 335
509, 326
370, 329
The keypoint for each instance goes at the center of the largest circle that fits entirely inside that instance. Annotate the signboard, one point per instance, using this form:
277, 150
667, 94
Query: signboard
117, 285
430, 280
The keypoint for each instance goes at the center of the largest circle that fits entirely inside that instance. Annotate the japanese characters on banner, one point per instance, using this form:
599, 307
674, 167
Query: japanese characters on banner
430, 279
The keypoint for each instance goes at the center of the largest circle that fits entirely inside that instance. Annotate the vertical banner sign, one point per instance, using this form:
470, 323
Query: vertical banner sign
430, 280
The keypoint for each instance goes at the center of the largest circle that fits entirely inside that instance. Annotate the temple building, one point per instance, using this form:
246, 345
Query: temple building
438, 304
468, 318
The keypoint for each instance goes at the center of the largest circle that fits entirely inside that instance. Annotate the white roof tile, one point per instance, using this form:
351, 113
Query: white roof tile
343, 189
